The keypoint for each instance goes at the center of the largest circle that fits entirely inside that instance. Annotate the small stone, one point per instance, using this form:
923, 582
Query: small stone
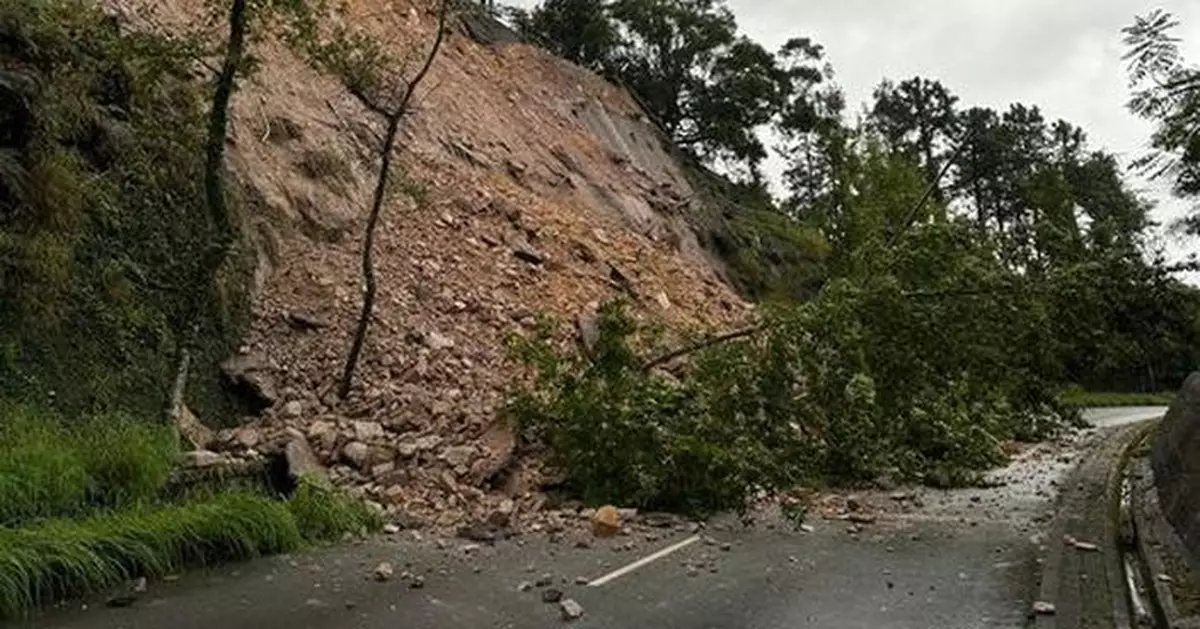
570, 609
458, 455
1043, 608
1086, 546
551, 595
356, 452
437, 341
726, 547
302, 320
383, 572
417, 582
391, 529
368, 431
202, 458
139, 585
294, 408
582, 581
524, 586
544, 580
302, 461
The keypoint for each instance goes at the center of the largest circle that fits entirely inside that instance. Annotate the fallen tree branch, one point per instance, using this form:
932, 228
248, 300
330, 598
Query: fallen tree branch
703, 344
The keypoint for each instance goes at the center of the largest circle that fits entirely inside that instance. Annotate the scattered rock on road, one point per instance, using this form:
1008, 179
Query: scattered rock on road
570, 609
551, 595
383, 572
1043, 608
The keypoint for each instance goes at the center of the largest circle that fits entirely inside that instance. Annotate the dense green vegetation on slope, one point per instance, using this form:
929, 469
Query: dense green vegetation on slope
102, 232
102, 220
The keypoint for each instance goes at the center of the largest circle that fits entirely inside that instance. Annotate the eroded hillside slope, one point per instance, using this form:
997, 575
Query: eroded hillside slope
544, 190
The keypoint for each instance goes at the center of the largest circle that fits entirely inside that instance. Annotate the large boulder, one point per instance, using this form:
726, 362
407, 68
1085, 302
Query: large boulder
250, 377
1176, 462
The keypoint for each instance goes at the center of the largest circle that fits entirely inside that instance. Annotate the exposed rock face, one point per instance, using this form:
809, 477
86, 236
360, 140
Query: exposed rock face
545, 191
1176, 462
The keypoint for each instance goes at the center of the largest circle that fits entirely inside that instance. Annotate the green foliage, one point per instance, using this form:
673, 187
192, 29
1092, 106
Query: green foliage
83, 506
53, 468
580, 31
1167, 92
52, 560
323, 514
866, 379
102, 217
708, 86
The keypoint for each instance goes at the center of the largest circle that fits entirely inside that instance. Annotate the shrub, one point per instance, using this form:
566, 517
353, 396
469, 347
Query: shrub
102, 216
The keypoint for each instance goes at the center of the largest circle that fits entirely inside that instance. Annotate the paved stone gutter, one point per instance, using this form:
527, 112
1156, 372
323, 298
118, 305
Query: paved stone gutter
1083, 578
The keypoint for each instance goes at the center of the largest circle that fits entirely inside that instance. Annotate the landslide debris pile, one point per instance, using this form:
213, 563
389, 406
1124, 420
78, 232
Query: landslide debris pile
529, 186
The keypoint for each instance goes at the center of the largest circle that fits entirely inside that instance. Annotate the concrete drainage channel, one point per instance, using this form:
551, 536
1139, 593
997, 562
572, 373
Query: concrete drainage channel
1144, 611
1153, 555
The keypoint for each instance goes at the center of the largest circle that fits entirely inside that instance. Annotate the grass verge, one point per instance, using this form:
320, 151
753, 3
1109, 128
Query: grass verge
1081, 398
58, 559
52, 468
83, 508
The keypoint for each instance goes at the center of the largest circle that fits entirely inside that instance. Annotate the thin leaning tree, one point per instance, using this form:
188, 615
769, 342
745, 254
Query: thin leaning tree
362, 65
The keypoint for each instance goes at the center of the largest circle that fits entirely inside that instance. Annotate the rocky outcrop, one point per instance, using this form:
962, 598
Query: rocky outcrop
1175, 460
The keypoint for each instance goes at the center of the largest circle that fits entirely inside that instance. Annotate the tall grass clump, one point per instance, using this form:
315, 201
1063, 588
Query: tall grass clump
51, 467
57, 559
325, 514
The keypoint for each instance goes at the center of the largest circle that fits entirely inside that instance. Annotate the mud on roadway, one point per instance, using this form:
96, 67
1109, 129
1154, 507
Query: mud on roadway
911, 558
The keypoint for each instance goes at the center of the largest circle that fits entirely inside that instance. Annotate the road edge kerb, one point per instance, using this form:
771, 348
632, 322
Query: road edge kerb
1122, 598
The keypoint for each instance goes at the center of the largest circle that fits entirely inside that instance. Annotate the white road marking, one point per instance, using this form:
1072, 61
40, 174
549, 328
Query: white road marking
620, 572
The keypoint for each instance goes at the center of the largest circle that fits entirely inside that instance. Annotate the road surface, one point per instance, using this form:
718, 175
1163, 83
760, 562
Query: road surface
921, 558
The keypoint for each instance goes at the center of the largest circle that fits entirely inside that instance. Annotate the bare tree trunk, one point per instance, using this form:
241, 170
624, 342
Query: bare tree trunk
214, 194
218, 126
393, 118
368, 260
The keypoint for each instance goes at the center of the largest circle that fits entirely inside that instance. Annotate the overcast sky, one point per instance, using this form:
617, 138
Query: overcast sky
1062, 56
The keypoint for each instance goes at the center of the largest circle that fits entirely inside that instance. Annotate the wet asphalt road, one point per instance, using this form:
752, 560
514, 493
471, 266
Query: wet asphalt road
962, 559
